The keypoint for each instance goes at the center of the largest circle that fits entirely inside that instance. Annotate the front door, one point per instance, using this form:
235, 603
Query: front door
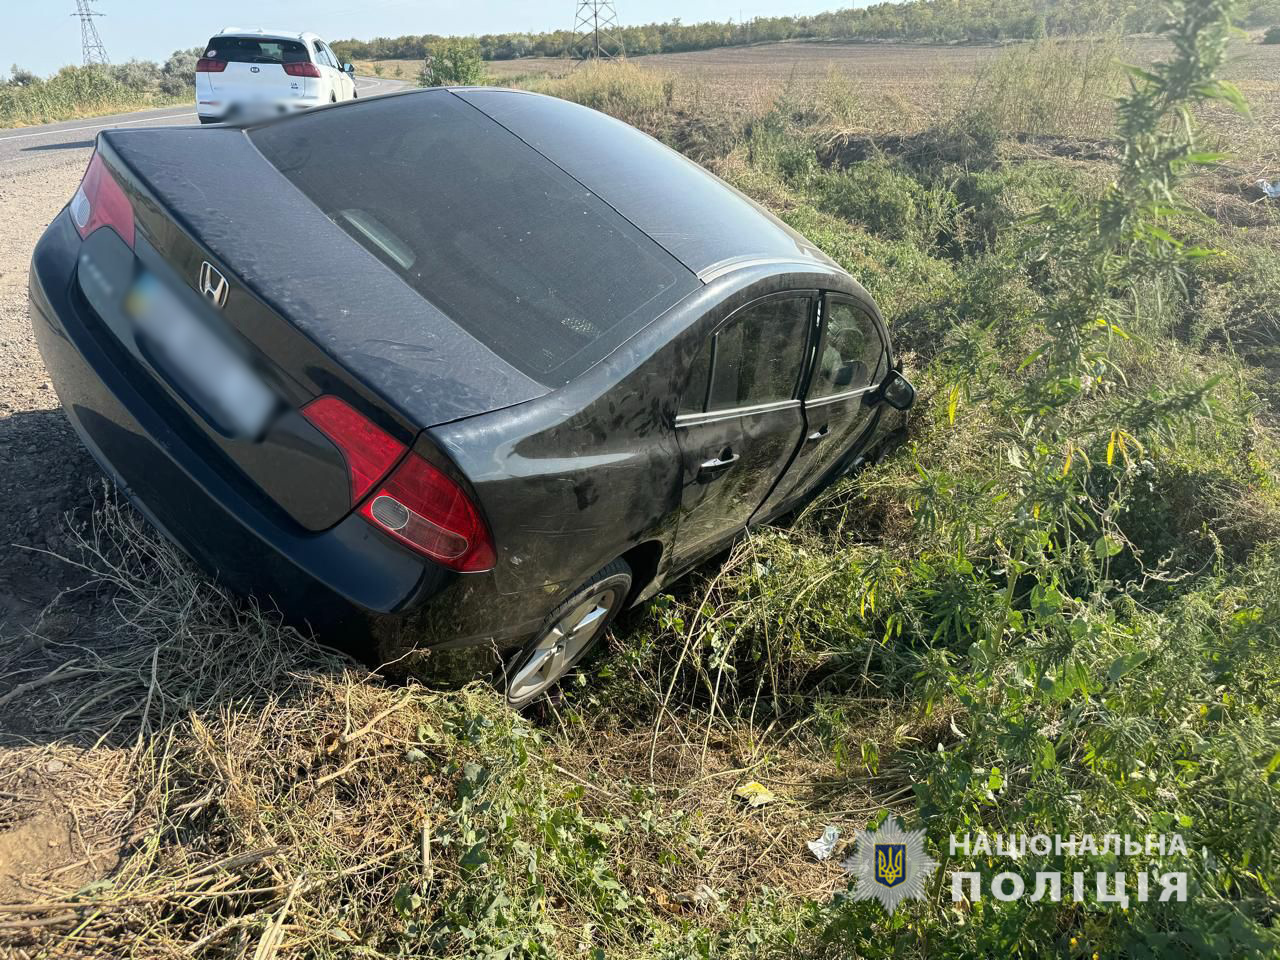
741, 419
851, 362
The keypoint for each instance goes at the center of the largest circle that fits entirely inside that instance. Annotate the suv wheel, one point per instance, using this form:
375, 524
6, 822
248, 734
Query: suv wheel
573, 629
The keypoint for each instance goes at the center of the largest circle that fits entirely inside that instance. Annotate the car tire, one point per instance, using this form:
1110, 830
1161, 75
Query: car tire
572, 630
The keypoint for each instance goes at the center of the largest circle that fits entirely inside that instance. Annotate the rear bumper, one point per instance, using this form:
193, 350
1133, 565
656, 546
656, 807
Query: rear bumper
225, 109
348, 575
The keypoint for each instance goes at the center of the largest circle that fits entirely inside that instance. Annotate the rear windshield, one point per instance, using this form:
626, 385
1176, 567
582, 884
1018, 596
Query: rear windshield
509, 246
256, 50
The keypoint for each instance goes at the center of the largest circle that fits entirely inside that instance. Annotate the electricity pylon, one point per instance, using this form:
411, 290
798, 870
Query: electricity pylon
595, 32
90, 43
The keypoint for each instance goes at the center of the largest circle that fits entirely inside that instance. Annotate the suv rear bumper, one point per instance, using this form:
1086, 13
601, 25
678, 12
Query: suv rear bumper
208, 113
349, 574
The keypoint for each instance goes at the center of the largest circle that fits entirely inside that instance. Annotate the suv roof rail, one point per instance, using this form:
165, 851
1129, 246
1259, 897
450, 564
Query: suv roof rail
291, 34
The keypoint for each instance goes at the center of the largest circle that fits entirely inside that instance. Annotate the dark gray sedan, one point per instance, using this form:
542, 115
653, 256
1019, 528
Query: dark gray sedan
452, 367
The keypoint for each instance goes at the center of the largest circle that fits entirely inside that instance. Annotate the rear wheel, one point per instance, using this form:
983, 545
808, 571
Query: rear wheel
573, 629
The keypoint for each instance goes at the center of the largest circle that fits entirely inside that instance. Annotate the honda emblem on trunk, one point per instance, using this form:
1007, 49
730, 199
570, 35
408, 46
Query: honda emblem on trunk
213, 285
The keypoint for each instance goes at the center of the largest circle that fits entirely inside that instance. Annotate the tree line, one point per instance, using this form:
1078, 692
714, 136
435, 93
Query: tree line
916, 20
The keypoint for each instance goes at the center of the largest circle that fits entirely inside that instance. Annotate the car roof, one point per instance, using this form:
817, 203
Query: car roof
266, 34
699, 219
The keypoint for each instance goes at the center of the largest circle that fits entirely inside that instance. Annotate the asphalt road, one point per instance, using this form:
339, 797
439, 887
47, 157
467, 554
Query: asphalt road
25, 149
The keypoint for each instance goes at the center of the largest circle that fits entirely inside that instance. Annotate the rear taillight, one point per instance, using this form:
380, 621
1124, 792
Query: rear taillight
417, 504
210, 65
302, 70
424, 509
369, 451
100, 202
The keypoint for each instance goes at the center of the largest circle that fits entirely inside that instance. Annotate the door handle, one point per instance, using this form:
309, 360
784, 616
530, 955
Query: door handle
711, 469
821, 434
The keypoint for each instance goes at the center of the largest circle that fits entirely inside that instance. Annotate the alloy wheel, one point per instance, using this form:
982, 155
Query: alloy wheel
561, 646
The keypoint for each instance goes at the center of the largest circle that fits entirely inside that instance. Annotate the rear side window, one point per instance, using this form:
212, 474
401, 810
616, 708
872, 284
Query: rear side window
509, 246
694, 398
754, 359
324, 55
759, 354
257, 50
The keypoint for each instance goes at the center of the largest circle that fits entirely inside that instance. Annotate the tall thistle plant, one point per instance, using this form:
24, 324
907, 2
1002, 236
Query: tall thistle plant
1109, 267
1104, 255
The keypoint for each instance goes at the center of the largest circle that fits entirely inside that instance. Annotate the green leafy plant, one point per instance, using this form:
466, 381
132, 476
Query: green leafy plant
453, 62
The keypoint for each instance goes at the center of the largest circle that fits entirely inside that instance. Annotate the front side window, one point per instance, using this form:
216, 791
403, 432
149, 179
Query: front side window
853, 355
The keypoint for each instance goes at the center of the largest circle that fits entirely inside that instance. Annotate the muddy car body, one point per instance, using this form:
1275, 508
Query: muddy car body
609, 362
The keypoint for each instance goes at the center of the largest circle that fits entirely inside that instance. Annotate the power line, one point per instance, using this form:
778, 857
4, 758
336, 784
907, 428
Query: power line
90, 43
596, 35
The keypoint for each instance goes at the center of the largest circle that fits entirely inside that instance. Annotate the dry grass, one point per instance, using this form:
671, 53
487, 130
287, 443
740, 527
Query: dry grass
194, 777
500, 70
907, 88
641, 97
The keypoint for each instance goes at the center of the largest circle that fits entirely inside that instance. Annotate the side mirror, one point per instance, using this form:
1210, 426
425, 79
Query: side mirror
349, 68
897, 391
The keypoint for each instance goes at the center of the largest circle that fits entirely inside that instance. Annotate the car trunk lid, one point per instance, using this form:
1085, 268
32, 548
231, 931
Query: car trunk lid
307, 311
324, 309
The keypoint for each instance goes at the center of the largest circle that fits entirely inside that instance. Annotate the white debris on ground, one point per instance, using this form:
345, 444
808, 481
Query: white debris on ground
1272, 190
825, 845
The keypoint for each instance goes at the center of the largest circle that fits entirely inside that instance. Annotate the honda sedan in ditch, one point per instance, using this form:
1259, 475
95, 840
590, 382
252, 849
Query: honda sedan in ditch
452, 367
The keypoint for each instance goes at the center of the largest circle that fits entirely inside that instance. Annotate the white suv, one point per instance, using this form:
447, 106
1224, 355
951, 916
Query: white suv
247, 74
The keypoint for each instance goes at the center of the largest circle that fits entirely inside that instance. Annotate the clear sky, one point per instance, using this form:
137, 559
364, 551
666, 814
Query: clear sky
41, 35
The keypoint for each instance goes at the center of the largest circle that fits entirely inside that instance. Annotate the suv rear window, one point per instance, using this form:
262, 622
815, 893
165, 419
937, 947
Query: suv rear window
508, 245
256, 50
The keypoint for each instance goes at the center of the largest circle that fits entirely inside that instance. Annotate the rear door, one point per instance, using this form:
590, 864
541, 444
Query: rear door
741, 418
255, 69
850, 363
340, 84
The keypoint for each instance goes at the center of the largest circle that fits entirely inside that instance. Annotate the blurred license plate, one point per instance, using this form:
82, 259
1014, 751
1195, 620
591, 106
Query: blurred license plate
222, 385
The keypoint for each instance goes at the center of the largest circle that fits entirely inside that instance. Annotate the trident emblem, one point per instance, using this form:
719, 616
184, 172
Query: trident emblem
891, 863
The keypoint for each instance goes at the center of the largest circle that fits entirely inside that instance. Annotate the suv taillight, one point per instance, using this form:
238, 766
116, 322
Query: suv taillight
100, 202
418, 505
210, 65
302, 69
